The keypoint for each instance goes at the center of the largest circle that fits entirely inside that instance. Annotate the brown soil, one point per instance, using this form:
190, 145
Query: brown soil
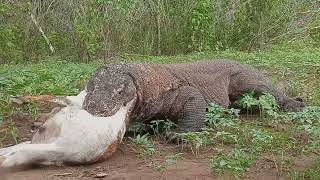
123, 165
23, 122
126, 164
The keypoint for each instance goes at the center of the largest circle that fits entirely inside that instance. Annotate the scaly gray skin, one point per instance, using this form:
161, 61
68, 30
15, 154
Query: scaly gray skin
179, 92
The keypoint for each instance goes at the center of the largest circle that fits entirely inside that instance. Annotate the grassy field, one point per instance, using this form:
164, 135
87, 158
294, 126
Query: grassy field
281, 136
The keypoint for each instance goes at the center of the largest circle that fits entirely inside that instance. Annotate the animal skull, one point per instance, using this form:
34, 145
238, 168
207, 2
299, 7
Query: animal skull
69, 135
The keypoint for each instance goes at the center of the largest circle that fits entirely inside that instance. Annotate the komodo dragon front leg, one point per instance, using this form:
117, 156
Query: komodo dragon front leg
187, 111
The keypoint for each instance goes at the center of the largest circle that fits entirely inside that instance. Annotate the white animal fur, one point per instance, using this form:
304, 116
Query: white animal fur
82, 138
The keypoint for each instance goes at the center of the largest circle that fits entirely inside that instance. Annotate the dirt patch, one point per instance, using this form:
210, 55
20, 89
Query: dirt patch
22, 123
123, 165
268, 167
304, 162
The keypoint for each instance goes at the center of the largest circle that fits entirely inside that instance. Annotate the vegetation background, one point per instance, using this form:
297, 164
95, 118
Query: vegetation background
32, 30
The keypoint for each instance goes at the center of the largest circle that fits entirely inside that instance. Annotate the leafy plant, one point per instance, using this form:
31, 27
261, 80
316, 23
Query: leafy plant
269, 105
248, 101
266, 104
236, 162
170, 160
226, 137
219, 117
200, 22
137, 128
196, 140
309, 115
161, 126
146, 146
307, 120
261, 140
260, 136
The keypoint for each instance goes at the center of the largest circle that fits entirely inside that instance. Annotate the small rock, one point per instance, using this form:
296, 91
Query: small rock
101, 175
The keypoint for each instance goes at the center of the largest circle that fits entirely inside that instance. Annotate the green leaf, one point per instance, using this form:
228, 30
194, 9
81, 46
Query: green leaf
223, 163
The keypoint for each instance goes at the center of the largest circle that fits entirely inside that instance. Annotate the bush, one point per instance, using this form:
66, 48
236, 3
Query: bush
94, 29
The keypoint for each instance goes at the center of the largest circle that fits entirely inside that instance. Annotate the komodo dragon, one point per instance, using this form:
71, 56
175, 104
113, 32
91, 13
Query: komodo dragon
179, 92
124, 92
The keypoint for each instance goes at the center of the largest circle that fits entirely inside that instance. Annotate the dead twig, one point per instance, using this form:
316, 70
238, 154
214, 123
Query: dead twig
42, 33
62, 174
275, 163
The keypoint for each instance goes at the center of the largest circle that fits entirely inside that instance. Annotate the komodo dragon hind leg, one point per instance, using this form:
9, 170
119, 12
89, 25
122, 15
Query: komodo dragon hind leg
289, 104
189, 111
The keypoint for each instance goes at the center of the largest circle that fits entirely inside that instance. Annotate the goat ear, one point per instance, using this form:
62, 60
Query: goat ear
299, 99
59, 100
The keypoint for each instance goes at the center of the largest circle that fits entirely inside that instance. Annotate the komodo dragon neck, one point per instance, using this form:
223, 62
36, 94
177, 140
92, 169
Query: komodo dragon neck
154, 84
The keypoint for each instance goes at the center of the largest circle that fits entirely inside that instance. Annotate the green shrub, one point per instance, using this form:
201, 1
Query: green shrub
96, 29
219, 117
146, 145
236, 162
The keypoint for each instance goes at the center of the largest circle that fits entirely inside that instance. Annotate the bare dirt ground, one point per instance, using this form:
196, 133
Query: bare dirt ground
123, 165
126, 164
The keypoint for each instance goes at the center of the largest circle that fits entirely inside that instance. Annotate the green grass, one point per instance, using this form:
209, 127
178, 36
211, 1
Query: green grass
34, 79
169, 161
297, 68
237, 161
145, 145
43, 78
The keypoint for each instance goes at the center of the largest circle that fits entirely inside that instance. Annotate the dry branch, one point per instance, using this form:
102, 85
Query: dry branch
42, 33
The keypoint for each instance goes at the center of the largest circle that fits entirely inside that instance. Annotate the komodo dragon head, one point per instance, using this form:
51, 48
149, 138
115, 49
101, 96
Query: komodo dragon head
110, 88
